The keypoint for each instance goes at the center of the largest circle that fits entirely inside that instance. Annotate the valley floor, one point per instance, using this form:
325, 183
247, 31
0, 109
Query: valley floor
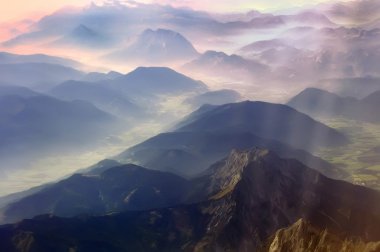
361, 157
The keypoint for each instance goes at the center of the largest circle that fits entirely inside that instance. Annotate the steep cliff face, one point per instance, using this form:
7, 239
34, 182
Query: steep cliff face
303, 236
252, 201
270, 193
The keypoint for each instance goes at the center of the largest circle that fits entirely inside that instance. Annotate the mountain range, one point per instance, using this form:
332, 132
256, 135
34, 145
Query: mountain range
211, 132
132, 96
253, 200
187, 151
99, 159
80, 116
124, 20
318, 102
191, 153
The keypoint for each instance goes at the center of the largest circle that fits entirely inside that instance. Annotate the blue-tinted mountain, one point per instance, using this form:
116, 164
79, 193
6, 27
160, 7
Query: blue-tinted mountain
315, 101
11, 58
267, 120
132, 96
17, 90
156, 81
354, 87
318, 102
36, 124
368, 108
36, 74
99, 94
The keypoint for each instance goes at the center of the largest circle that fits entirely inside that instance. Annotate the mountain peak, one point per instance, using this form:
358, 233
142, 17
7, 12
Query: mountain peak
228, 173
158, 46
83, 30
158, 80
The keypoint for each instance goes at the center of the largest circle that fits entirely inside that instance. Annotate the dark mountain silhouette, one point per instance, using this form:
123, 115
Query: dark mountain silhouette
126, 187
254, 201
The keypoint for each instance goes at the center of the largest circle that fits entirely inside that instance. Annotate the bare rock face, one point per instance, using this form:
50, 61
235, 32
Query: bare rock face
302, 236
259, 199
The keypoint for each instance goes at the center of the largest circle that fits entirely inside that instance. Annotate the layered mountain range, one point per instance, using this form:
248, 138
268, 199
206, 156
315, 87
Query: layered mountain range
211, 132
252, 200
187, 151
318, 102
178, 164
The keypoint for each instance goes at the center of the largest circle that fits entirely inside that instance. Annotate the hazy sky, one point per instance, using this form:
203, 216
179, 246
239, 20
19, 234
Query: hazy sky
21, 9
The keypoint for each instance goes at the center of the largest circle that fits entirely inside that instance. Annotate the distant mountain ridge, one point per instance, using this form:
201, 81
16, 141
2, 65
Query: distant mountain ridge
84, 37
38, 123
37, 75
157, 46
217, 97
132, 96
322, 103
157, 80
213, 63
211, 132
191, 153
267, 120
11, 58
100, 95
